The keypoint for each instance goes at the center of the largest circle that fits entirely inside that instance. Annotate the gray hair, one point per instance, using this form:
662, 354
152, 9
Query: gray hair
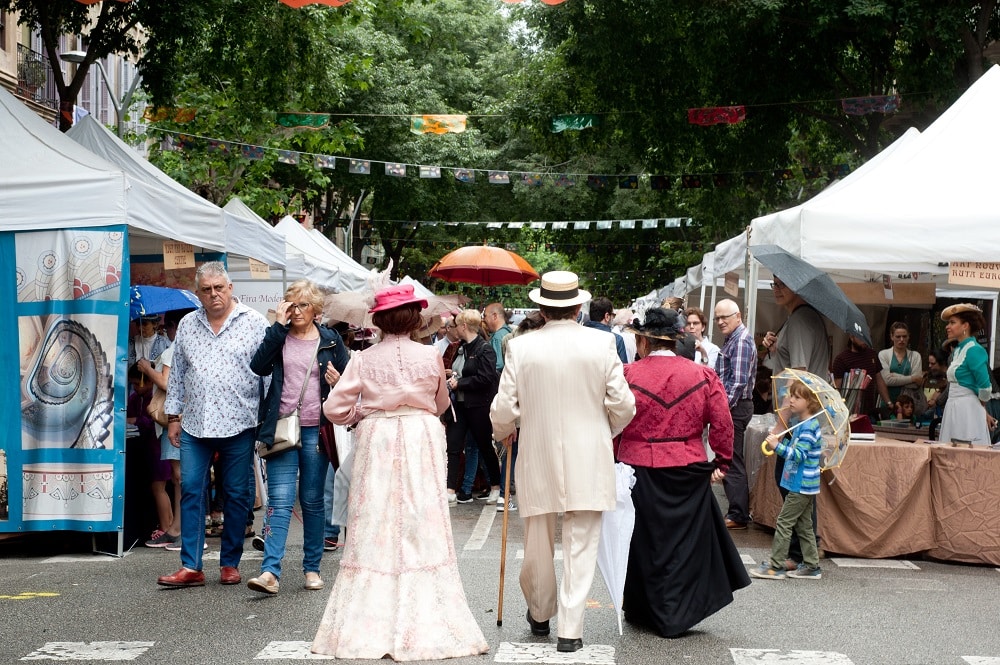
217, 268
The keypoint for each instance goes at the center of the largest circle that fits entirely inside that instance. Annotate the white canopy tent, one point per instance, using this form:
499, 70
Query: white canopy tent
320, 265
52, 182
243, 236
353, 271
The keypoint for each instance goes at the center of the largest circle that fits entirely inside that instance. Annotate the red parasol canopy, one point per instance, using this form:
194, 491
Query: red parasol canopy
481, 264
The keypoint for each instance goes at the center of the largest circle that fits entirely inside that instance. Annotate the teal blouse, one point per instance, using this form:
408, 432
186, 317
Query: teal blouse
970, 368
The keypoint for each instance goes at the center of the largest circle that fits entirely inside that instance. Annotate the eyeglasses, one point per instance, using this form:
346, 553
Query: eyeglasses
720, 319
300, 306
778, 285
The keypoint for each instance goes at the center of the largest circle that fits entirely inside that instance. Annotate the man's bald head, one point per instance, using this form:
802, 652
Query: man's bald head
727, 316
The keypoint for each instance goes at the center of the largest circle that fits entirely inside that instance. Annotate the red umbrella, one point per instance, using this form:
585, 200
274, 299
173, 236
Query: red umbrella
481, 264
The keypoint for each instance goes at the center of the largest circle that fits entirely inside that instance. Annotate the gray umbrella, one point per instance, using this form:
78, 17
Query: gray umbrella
816, 288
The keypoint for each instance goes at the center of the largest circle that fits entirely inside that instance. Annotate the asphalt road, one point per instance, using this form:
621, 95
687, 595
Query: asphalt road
58, 601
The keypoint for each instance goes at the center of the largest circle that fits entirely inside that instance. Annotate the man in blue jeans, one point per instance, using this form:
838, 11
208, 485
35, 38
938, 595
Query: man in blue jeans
212, 385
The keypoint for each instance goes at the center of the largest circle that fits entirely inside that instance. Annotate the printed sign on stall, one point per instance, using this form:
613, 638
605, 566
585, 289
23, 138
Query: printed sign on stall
732, 285
259, 270
974, 273
177, 255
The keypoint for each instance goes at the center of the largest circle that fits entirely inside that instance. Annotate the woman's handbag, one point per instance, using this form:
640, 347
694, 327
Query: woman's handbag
288, 429
155, 408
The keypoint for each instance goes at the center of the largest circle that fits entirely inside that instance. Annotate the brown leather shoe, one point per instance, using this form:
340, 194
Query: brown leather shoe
182, 578
229, 575
735, 526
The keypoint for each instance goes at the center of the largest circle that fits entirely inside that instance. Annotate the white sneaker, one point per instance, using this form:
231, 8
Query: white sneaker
452, 499
510, 505
494, 495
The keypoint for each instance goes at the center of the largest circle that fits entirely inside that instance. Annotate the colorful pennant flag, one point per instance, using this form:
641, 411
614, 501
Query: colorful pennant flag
873, 104
598, 182
465, 175
499, 178
288, 157
781, 175
430, 171
581, 226
218, 146
303, 120
561, 123
812, 172
650, 223
691, 181
437, 124
325, 162
660, 182
558, 226
252, 152
717, 115
515, 225
722, 180
161, 113
627, 224
532, 179
395, 169
537, 225
563, 180
360, 166
604, 225
840, 171
628, 182
297, 4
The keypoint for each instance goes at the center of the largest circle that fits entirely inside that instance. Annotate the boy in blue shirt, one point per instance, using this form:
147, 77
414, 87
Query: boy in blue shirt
801, 478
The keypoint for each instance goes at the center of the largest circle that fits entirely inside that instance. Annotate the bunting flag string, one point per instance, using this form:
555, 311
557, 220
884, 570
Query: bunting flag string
873, 104
175, 140
716, 115
577, 225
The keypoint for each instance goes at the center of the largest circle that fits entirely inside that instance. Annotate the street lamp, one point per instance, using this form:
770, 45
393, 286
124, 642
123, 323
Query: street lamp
78, 57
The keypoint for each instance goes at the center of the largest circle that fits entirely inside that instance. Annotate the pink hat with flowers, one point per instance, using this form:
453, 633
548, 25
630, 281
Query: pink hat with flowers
396, 296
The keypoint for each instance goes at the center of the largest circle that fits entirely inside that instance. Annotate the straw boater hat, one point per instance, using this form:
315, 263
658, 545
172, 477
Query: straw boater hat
396, 296
960, 307
661, 323
560, 288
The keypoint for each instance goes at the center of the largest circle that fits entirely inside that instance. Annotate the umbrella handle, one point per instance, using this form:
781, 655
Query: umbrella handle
763, 444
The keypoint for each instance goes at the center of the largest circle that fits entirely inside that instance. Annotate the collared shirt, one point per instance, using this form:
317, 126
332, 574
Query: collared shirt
737, 365
496, 341
210, 382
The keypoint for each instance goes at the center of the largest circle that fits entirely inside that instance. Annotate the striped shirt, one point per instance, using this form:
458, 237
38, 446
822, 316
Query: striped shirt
802, 458
737, 365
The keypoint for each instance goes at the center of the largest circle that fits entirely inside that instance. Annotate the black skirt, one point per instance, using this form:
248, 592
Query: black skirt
682, 564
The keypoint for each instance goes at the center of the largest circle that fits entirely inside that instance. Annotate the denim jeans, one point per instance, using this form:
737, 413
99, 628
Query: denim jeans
471, 464
235, 466
308, 465
331, 529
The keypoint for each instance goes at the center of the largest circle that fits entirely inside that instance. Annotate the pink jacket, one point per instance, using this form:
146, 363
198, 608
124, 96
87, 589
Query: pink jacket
675, 399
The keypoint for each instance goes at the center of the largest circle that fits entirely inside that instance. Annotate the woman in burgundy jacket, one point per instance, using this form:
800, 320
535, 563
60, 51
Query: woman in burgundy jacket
683, 565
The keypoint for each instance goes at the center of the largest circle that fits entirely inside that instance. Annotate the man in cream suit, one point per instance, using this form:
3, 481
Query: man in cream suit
565, 384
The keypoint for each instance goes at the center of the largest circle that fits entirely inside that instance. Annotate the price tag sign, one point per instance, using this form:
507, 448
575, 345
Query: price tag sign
974, 273
732, 285
177, 255
259, 270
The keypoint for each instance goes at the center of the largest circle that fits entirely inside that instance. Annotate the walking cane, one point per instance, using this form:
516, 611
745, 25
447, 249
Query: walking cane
508, 442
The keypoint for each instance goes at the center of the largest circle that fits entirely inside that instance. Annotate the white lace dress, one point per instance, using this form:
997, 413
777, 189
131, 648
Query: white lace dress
398, 592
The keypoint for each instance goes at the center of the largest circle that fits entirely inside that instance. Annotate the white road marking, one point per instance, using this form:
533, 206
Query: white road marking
748, 560
481, 533
874, 563
981, 660
89, 651
545, 652
289, 651
793, 657
83, 558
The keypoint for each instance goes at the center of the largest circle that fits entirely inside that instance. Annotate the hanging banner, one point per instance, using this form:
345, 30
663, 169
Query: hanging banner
974, 273
161, 113
499, 178
177, 255
873, 104
732, 284
303, 120
430, 171
325, 162
561, 123
717, 115
395, 169
288, 157
437, 124
359, 167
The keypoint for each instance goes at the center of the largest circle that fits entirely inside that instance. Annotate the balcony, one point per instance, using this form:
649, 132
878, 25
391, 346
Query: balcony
34, 78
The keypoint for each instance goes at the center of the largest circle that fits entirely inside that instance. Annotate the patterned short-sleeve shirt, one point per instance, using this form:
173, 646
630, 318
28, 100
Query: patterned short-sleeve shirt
210, 382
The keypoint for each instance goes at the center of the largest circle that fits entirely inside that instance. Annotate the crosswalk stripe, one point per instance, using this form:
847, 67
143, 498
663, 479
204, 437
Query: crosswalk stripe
843, 562
545, 652
248, 555
89, 651
83, 558
291, 650
791, 657
481, 533
981, 660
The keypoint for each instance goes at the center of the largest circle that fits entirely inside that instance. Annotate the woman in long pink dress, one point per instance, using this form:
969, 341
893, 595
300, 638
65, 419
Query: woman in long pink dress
398, 592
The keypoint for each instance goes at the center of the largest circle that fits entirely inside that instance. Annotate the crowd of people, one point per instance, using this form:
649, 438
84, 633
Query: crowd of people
397, 435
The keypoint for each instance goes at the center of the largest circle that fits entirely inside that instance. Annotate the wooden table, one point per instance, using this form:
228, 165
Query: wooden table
909, 433
892, 498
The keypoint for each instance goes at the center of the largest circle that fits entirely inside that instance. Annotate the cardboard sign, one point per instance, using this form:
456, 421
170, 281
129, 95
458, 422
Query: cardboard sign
887, 286
732, 285
177, 255
259, 270
974, 273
